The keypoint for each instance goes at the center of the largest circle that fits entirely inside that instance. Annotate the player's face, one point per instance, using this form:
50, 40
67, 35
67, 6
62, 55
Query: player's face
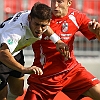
38, 26
60, 7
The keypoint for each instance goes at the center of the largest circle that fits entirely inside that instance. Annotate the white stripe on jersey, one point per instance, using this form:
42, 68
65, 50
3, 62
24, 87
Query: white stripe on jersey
72, 17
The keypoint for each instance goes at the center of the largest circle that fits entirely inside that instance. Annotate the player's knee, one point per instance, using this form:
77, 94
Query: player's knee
94, 92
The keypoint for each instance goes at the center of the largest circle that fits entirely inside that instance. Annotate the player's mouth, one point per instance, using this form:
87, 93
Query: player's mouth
37, 34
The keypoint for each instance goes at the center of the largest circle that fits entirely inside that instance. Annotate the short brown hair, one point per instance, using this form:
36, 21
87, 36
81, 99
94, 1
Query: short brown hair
41, 11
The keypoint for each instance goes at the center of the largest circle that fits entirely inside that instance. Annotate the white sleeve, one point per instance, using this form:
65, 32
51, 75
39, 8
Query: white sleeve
11, 37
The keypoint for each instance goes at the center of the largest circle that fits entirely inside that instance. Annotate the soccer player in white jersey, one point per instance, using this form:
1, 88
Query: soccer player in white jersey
16, 33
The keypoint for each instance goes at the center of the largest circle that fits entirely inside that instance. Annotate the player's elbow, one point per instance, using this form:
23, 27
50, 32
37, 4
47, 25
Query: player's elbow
2, 55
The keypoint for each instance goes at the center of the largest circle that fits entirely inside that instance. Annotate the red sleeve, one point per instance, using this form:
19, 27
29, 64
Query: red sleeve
83, 24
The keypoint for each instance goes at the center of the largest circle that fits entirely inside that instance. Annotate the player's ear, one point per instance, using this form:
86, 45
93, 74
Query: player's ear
69, 2
29, 18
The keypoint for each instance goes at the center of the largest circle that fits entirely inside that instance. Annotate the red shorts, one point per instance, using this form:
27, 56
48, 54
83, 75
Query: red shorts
73, 83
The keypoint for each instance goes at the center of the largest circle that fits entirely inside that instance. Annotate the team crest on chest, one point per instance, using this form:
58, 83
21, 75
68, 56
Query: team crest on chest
64, 26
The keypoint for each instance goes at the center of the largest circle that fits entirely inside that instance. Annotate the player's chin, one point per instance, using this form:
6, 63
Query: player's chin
57, 14
37, 35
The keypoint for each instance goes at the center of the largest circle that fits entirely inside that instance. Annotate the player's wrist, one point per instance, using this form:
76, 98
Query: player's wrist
54, 38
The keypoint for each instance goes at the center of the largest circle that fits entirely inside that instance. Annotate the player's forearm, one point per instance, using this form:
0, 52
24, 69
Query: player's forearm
98, 35
10, 62
53, 36
7, 59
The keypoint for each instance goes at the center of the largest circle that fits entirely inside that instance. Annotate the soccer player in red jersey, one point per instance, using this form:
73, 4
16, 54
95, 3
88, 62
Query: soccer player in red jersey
59, 73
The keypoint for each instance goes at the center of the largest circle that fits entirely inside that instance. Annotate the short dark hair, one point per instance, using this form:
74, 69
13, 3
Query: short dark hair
41, 11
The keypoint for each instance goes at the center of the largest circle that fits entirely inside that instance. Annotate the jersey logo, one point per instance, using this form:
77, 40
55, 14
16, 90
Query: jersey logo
10, 41
64, 27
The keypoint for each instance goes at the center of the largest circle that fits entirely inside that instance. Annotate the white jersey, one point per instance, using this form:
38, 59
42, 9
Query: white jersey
16, 32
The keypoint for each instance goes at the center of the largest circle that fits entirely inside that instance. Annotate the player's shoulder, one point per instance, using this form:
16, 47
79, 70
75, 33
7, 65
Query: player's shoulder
20, 16
19, 19
75, 11
77, 14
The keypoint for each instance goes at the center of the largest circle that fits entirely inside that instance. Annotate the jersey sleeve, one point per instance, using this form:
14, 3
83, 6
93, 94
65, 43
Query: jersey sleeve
83, 23
11, 37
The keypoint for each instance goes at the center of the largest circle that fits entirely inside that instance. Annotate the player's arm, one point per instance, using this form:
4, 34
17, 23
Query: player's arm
94, 27
60, 45
7, 59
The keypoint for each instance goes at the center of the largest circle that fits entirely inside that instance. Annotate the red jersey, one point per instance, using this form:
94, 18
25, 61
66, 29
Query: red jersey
58, 74
46, 55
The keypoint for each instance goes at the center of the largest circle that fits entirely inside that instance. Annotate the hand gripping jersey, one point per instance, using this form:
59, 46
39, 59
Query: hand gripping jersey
47, 57
15, 32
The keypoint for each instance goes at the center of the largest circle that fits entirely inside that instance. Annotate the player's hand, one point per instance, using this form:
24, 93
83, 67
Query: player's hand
32, 70
63, 49
94, 27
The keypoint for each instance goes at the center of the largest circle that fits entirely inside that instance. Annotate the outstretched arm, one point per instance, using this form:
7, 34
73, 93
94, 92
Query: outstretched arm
94, 27
7, 59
